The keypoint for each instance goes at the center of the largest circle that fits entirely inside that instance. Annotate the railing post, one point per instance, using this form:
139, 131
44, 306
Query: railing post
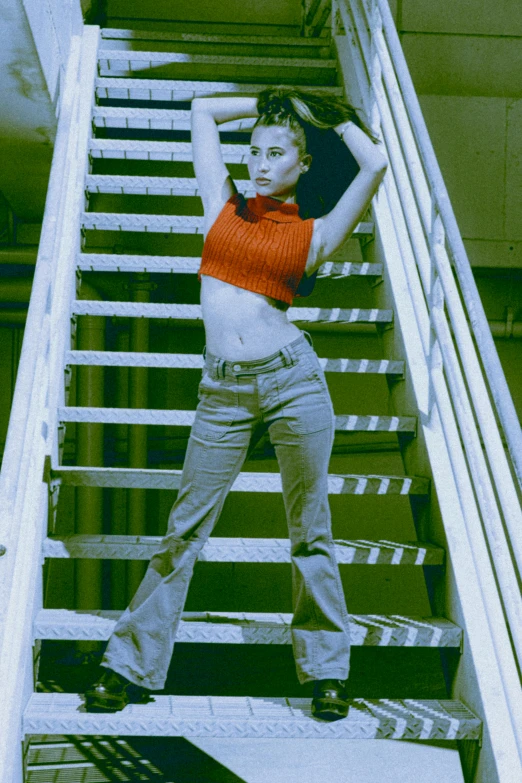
436, 304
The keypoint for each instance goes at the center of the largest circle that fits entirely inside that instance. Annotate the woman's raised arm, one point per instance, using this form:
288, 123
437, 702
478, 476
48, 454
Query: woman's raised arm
214, 182
338, 224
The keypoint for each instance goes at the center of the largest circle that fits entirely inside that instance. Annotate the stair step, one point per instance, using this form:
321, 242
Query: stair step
243, 550
254, 628
196, 361
132, 149
128, 478
179, 90
186, 312
179, 65
163, 224
157, 119
185, 418
153, 186
109, 33
242, 717
107, 262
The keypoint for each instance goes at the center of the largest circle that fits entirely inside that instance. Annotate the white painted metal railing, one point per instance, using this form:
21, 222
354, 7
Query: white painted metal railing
448, 375
39, 386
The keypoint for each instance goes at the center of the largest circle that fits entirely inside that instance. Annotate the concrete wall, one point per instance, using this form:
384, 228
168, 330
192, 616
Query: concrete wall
478, 142
34, 46
463, 47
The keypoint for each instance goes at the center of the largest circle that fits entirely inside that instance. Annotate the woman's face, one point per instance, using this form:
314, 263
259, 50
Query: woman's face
274, 163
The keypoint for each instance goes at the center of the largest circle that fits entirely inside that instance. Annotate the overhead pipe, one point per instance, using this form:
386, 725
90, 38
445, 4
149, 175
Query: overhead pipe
19, 254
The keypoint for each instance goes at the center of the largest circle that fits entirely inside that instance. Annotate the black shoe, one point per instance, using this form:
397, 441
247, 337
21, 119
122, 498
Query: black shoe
330, 700
112, 692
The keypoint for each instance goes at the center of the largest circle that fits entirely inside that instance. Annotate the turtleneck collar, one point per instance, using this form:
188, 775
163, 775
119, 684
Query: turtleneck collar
273, 209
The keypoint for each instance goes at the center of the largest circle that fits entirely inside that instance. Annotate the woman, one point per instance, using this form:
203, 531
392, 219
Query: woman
260, 372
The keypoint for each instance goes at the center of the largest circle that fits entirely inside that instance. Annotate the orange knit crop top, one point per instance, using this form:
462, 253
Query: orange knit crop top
260, 244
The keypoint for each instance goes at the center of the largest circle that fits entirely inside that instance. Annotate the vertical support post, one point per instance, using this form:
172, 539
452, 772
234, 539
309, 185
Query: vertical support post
118, 578
89, 452
138, 398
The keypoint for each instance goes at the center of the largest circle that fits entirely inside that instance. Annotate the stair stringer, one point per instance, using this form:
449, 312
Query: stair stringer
25, 506
485, 677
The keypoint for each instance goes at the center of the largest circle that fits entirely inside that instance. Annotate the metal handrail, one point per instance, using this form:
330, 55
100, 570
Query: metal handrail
477, 317
438, 263
446, 374
46, 261
420, 229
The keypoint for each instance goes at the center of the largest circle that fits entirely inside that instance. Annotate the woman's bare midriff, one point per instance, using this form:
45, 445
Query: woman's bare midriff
241, 324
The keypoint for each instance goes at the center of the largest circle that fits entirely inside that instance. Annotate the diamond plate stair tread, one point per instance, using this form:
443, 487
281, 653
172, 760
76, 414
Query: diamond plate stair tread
211, 716
107, 58
131, 149
243, 550
263, 40
193, 312
157, 119
196, 361
245, 482
251, 628
164, 224
179, 90
185, 418
153, 186
103, 262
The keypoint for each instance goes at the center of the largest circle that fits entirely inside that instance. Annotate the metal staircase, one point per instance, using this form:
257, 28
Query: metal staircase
123, 141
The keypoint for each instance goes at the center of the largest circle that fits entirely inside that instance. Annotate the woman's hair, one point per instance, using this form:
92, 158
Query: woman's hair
311, 117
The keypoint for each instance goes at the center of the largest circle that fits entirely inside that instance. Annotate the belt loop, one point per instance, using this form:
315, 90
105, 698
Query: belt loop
287, 356
308, 338
214, 368
221, 368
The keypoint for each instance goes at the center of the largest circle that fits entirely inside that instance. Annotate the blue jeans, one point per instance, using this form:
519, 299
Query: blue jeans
286, 393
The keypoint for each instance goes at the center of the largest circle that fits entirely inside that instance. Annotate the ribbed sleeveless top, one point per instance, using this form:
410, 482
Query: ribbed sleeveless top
260, 244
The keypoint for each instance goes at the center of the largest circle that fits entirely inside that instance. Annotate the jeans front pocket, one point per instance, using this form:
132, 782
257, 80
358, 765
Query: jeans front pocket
218, 407
314, 371
304, 395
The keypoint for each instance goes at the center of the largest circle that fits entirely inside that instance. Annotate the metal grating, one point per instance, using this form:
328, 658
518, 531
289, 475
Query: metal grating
109, 262
178, 90
157, 119
128, 478
163, 224
241, 717
325, 315
135, 60
254, 628
243, 550
180, 418
196, 361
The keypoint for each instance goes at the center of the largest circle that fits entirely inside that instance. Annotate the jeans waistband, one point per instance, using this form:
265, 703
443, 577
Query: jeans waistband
284, 357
